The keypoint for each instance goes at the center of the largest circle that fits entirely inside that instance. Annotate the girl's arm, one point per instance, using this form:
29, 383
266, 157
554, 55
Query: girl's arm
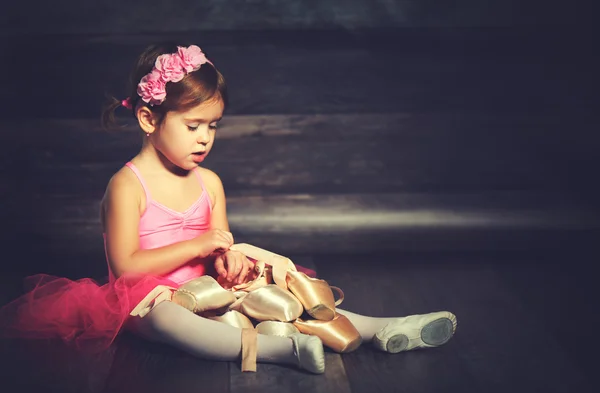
218, 219
233, 266
121, 216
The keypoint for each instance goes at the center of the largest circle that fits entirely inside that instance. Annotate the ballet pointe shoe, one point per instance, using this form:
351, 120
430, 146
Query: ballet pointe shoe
233, 318
276, 328
338, 334
315, 295
202, 294
416, 331
310, 353
269, 303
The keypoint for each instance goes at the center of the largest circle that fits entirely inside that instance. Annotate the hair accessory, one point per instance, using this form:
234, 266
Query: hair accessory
169, 68
127, 103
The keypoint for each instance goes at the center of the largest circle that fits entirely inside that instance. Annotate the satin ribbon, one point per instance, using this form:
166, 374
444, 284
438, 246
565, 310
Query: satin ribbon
249, 349
159, 294
280, 264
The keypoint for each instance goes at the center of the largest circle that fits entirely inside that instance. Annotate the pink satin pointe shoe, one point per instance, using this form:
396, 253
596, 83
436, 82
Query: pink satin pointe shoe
269, 303
339, 334
276, 328
315, 295
416, 331
202, 294
233, 318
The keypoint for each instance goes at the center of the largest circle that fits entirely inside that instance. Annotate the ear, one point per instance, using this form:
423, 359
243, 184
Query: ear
146, 119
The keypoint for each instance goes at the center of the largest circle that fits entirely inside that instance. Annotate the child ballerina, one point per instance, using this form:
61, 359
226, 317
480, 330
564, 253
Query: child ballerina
165, 225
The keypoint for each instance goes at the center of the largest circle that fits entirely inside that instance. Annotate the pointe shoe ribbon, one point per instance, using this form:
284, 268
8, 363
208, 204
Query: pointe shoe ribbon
280, 264
159, 294
249, 349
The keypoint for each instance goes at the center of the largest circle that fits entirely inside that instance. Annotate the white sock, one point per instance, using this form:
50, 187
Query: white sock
366, 326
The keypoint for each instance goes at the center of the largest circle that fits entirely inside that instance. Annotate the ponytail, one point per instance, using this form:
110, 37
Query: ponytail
107, 118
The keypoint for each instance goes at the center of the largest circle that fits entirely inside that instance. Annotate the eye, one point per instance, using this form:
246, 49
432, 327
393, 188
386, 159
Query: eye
213, 126
193, 128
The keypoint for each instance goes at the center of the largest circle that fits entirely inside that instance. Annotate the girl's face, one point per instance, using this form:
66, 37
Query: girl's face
185, 138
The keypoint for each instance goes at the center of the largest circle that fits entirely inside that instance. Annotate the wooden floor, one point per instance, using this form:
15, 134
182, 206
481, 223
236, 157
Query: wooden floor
524, 325
418, 171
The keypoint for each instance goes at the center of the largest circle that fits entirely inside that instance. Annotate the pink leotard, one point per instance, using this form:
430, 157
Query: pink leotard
161, 226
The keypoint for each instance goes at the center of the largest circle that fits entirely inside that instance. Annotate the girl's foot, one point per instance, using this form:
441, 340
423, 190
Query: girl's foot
309, 351
416, 331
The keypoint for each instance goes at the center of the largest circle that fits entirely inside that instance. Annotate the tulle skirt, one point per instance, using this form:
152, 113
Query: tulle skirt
83, 313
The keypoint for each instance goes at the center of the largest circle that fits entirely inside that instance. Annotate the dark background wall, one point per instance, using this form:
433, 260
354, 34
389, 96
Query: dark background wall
116, 16
444, 125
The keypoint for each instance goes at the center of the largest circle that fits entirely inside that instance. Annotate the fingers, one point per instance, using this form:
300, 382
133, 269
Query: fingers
225, 236
220, 266
222, 240
221, 246
234, 265
247, 266
229, 236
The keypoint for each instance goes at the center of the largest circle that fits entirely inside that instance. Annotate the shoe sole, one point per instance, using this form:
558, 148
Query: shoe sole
434, 334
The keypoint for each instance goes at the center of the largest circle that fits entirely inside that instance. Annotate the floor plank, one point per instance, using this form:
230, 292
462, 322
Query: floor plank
50, 366
500, 345
559, 290
143, 366
271, 378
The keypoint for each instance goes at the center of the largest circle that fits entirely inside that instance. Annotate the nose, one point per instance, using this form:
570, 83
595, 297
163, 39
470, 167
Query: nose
203, 135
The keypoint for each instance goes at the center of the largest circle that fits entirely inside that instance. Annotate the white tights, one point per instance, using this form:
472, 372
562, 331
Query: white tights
173, 325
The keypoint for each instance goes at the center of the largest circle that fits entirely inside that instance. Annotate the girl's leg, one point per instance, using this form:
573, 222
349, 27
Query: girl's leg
174, 325
405, 333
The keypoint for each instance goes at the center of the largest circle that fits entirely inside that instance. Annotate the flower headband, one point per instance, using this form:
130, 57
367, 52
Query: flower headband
167, 68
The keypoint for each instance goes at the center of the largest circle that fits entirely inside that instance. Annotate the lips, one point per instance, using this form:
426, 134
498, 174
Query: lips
198, 156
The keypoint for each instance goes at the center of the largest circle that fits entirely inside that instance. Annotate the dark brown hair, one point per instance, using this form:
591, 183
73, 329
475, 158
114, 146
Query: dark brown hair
195, 88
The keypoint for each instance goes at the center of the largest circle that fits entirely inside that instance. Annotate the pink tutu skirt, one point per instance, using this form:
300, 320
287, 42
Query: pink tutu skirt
82, 313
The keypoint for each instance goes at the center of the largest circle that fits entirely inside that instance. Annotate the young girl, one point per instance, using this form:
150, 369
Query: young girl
165, 224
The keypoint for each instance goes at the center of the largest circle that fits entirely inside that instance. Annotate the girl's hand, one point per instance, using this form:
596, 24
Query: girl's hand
215, 241
233, 266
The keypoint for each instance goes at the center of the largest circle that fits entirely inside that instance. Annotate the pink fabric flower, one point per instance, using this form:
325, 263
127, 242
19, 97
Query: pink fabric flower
171, 67
192, 57
152, 88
